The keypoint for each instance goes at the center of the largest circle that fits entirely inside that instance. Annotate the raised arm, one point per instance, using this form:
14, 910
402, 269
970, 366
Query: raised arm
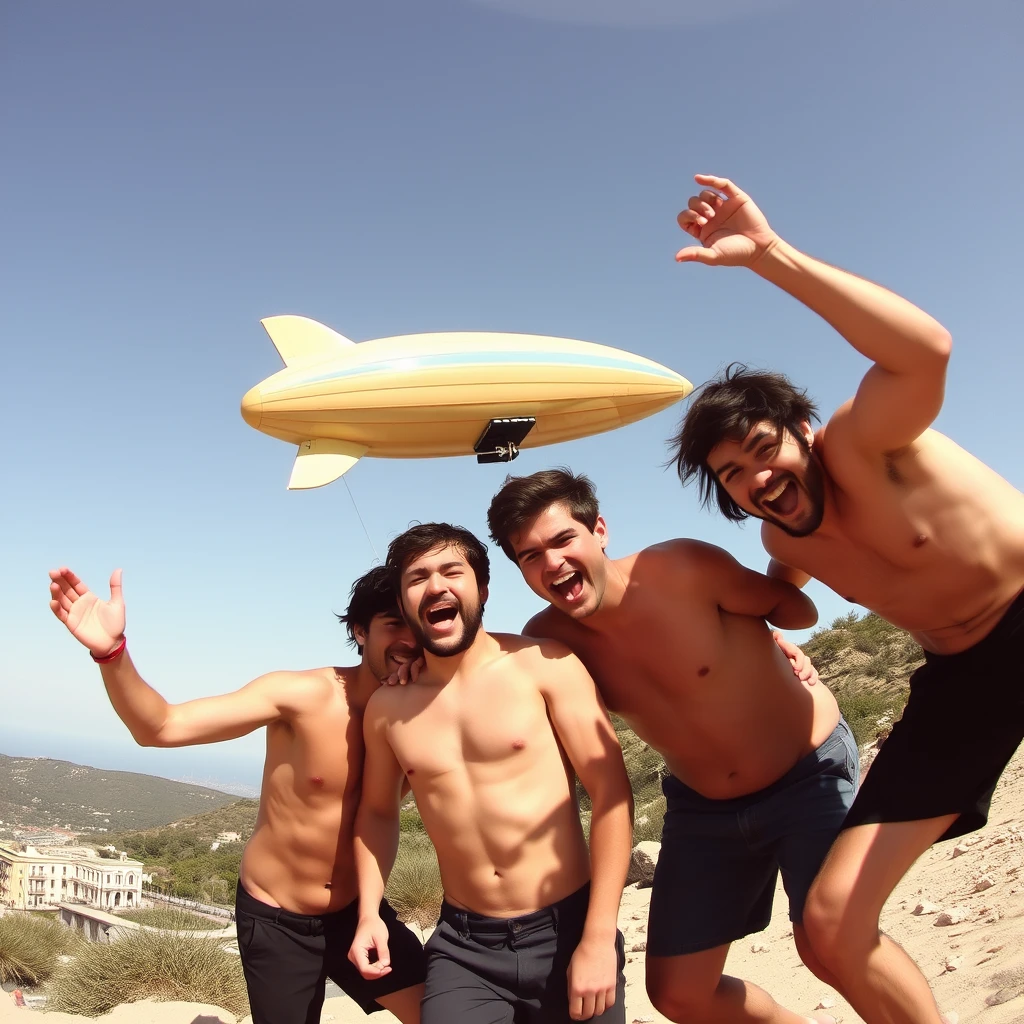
152, 721
376, 839
902, 393
588, 738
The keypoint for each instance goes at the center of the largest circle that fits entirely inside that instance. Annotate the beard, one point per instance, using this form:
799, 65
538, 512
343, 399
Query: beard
471, 619
813, 485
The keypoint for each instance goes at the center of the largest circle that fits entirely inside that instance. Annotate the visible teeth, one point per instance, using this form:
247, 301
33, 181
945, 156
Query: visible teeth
563, 579
776, 492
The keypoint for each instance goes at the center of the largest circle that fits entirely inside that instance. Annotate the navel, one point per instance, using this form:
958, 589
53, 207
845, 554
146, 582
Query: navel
703, 670
920, 540
327, 885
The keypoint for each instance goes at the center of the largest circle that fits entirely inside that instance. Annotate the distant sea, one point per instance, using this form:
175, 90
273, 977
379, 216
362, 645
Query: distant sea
234, 767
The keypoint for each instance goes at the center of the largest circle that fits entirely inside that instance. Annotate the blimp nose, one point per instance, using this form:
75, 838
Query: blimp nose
252, 407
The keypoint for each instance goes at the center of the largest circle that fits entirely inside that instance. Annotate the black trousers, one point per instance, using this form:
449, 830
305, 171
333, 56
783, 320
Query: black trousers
486, 970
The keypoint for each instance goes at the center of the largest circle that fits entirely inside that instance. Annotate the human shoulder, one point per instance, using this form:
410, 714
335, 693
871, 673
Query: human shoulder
529, 647
550, 624
681, 559
295, 688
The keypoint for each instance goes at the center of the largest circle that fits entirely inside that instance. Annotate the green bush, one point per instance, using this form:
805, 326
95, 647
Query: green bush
29, 947
148, 965
648, 821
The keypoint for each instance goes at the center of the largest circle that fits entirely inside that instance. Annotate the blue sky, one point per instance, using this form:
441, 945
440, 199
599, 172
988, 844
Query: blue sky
175, 172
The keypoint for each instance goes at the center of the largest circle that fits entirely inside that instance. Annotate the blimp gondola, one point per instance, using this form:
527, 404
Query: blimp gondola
430, 395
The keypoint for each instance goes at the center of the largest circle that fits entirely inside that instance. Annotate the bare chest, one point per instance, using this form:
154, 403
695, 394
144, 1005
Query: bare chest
318, 756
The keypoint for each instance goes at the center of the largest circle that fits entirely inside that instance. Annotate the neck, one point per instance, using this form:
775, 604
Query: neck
445, 669
616, 583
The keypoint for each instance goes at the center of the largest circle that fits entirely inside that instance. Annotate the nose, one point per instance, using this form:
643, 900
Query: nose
761, 478
252, 407
552, 560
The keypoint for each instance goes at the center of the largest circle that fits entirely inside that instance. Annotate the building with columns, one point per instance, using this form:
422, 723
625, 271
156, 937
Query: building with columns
45, 878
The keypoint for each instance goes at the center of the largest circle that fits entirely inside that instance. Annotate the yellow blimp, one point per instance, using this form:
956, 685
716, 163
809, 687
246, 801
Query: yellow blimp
427, 395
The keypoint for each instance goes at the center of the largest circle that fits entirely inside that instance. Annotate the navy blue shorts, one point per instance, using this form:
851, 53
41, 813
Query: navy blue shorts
720, 859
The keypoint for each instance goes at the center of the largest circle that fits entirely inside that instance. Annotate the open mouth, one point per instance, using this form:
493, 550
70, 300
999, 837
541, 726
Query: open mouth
782, 499
441, 615
568, 586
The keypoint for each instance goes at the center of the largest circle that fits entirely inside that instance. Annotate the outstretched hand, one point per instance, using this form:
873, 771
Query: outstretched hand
731, 230
803, 668
96, 624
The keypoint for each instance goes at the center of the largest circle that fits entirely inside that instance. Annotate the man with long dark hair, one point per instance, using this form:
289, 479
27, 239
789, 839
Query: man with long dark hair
894, 516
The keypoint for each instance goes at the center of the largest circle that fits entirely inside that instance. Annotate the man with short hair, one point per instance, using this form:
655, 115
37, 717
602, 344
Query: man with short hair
763, 769
296, 902
488, 738
893, 516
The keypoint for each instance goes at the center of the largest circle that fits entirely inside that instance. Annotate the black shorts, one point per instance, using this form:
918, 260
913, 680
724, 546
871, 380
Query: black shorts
492, 970
287, 959
720, 859
962, 724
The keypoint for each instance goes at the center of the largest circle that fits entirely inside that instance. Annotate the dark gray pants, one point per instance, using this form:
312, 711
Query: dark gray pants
487, 970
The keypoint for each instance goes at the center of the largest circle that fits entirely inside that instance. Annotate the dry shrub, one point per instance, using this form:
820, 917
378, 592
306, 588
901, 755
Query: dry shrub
148, 965
29, 947
172, 918
414, 887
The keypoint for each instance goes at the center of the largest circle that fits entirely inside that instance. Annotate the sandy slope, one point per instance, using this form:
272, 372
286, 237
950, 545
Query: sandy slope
984, 950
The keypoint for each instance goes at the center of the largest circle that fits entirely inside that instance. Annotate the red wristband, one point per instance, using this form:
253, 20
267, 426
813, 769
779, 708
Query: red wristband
116, 652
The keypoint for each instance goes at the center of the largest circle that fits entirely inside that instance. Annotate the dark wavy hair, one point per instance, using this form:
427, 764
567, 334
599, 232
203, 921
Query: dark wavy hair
523, 498
372, 594
424, 537
725, 410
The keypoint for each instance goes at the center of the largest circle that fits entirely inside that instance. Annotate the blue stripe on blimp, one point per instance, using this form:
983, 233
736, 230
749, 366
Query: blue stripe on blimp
448, 359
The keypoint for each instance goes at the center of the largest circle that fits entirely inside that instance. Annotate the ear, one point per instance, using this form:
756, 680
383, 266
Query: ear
483, 596
808, 432
360, 635
601, 532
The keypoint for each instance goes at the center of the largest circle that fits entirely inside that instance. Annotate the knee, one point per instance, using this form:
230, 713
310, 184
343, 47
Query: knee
810, 960
678, 1003
837, 931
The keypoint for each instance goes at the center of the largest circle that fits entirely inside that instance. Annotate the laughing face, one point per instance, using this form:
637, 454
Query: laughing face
778, 480
387, 644
442, 601
564, 562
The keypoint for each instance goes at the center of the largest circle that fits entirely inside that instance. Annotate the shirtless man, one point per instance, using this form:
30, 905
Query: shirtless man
296, 905
488, 738
763, 767
896, 517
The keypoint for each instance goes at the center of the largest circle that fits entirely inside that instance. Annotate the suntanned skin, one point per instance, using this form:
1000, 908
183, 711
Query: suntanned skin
676, 640
488, 739
300, 855
912, 527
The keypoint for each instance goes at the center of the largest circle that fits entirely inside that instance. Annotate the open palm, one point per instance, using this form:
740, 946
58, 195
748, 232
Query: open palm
96, 624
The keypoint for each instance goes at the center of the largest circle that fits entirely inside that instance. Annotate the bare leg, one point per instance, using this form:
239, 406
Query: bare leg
810, 960
842, 913
404, 1004
692, 989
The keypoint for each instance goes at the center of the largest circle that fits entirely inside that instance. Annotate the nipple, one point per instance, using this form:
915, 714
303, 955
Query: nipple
317, 780
703, 670
518, 744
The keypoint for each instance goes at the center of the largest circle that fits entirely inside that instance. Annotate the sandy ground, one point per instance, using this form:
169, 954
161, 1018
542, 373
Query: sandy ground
968, 939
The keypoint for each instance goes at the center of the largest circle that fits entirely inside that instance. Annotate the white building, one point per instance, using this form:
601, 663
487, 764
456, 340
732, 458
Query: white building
45, 878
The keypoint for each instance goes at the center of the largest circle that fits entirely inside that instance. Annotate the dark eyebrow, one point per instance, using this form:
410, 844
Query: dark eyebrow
747, 447
754, 440
558, 538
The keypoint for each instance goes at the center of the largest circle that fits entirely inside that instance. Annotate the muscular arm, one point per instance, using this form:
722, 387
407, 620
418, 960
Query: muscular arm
902, 393
742, 591
780, 571
377, 821
585, 732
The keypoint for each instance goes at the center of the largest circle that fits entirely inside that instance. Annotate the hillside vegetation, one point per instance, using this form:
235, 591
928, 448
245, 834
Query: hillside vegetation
39, 791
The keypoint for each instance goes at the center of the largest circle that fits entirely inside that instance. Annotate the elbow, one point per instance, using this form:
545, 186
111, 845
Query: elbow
940, 345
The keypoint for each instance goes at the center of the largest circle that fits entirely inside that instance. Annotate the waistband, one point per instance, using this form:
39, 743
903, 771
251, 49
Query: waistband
1005, 629
470, 923
303, 924
841, 735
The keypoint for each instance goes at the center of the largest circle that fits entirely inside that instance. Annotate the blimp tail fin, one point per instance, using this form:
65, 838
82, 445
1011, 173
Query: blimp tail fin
299, 339
322, 461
